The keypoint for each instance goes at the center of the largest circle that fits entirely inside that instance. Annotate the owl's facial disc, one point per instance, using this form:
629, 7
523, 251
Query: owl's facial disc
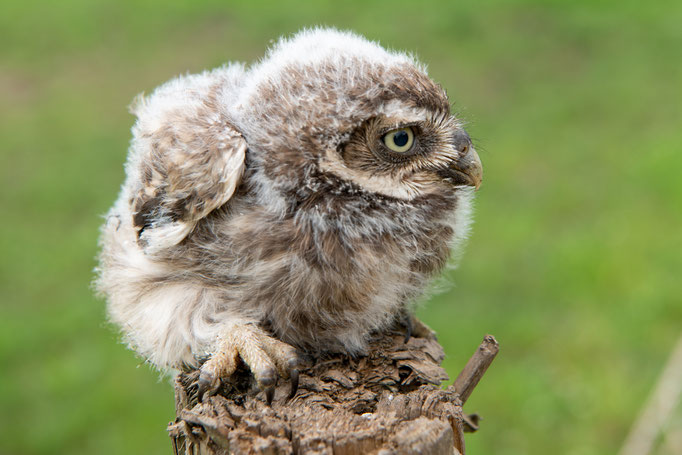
433, 149
407, 156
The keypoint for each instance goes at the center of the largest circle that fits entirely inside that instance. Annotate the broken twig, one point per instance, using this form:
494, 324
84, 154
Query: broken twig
476, 367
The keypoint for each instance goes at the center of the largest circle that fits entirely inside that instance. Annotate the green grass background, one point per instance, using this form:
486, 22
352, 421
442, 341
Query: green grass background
574, 263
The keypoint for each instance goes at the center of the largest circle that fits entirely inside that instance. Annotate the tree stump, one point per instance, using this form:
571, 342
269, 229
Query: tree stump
387, 402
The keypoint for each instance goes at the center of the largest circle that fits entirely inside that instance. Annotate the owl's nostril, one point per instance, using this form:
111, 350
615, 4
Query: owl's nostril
462, 142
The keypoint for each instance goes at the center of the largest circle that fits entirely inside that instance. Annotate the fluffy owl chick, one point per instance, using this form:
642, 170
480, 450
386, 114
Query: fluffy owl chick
300, 204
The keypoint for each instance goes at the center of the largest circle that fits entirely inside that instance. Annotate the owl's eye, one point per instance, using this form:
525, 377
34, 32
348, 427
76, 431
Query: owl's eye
400, 140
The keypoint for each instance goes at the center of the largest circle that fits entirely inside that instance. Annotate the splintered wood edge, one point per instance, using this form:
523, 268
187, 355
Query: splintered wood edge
476, 367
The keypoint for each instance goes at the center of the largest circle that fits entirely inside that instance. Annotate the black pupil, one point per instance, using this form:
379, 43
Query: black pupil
400, 138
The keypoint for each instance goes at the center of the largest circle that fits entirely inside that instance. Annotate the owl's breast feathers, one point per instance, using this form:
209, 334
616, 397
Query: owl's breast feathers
334, 266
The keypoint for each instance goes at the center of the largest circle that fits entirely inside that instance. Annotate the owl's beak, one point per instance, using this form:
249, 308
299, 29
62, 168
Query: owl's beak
467, 169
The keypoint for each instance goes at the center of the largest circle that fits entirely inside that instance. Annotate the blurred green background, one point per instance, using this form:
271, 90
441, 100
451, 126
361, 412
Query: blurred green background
574, 263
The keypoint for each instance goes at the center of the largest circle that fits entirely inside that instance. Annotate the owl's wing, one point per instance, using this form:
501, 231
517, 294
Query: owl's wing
187, 159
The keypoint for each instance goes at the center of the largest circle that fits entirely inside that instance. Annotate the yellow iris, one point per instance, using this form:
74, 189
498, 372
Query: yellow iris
399, 140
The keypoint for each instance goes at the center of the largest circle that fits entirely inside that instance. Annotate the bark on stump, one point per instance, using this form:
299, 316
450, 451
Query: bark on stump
388, 402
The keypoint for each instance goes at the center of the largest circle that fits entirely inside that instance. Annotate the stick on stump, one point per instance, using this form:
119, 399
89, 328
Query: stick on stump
388, 402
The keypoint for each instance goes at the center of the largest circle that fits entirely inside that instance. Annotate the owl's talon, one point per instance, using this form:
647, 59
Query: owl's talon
269, 395
207, 386
409, 327
293, 374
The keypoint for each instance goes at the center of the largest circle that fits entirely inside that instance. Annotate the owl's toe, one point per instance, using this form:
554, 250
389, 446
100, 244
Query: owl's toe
222, 363
421, 330
287, 361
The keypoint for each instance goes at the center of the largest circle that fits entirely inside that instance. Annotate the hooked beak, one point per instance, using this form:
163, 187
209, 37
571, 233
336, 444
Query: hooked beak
467, 169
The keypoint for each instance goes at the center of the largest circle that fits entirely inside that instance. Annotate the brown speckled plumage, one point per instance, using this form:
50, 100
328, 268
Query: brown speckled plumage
264, 202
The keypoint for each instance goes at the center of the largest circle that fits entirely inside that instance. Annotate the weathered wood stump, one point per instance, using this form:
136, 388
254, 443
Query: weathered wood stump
387, 402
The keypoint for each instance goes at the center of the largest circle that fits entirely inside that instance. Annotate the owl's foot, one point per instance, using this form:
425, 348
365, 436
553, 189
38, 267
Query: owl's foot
265, 356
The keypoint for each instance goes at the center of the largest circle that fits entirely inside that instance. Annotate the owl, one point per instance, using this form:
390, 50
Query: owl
296, 206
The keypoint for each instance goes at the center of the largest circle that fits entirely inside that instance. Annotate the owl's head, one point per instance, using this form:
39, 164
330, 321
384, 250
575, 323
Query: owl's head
327, 104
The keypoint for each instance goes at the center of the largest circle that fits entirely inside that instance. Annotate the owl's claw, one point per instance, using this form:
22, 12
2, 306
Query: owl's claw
416, 328
207, 384
294, 383
265, 356
409, 327
269, 394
